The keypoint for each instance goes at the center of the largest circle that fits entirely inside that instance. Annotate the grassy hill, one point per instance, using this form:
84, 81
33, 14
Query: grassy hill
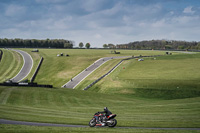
161, 92
59, 70
165, 77
78, 107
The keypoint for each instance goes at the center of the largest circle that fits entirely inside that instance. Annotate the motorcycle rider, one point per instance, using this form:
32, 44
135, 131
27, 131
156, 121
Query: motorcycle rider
106, 112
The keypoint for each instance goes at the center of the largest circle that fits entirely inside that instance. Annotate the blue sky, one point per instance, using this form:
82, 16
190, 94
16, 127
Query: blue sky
101, 21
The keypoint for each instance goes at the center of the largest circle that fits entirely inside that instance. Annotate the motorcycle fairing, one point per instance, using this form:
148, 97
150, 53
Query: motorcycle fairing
111, 116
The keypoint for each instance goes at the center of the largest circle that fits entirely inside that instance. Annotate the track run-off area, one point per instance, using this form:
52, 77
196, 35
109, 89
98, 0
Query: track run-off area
4, 121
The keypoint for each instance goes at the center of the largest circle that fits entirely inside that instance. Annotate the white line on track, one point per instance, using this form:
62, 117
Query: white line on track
23, 64
82, 72
89, 74
105, 59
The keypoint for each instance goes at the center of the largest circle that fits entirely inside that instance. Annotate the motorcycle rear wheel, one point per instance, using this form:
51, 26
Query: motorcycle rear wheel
113, 123
92, 123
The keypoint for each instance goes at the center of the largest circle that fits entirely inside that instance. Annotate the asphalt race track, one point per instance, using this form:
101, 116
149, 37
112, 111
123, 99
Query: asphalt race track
81, 76
26, 68
3, 121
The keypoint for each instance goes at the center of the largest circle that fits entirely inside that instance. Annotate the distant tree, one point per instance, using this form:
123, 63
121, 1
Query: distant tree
137, 47
80, 44
180, 47
105, 46
198, 46
87, 45
168, 46
111, 45
132, 47
68, 45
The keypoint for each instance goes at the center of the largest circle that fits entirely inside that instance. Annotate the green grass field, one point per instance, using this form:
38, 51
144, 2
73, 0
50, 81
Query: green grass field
59, 70
77, 107
161, 92
10, 64
166, 77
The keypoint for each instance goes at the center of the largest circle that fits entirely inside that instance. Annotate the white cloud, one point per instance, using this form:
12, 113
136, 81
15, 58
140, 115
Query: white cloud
117, 8
171, 13
15, 10
186, 21
91, 5
159, 24
63, 23
97, 36
50, 1
188, 10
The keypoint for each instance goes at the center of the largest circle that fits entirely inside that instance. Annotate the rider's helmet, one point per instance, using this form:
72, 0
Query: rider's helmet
105, 108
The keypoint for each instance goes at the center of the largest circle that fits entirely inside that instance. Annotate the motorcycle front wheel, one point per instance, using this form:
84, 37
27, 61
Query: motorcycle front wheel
112, 123
92, 123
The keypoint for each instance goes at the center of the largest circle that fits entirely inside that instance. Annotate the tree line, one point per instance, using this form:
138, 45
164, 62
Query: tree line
61, 43
157, 45
35, 43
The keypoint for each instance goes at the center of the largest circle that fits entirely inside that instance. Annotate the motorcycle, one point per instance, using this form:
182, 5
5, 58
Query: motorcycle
105, 121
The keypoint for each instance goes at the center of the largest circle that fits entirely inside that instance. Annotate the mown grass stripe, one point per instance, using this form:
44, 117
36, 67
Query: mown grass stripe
5, 95
1, 54
18, 64
7, 64
39, 110
11, 64
43, 114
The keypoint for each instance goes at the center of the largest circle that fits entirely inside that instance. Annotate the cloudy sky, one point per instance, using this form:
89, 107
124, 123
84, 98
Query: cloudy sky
100, 21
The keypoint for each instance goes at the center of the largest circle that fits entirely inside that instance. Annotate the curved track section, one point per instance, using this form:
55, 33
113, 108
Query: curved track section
3, 121
26, 68
81, 76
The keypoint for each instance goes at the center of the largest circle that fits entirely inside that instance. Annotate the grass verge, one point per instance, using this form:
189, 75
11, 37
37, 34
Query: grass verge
36, 129
77, 107
10, 64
